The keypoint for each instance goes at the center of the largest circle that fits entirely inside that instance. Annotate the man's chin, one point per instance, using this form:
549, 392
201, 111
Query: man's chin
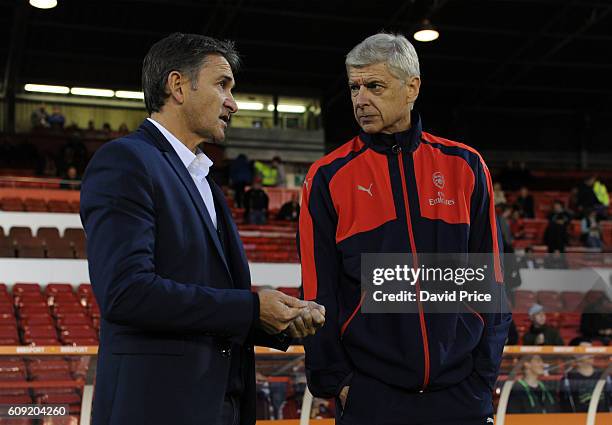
370, 129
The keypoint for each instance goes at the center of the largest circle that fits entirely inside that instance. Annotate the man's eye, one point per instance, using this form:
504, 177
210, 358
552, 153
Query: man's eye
374, 86
354, 87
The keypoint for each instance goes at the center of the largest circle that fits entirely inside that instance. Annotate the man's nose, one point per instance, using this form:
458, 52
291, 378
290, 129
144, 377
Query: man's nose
362, 98
230, 104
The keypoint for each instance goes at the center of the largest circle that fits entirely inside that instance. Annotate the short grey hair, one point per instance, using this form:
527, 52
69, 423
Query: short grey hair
393, 49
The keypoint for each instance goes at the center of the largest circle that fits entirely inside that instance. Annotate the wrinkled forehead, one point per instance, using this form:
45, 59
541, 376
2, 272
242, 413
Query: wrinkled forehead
377, 71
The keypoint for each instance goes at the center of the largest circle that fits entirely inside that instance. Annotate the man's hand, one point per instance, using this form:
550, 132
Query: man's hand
343, 395
310, 319
277, 310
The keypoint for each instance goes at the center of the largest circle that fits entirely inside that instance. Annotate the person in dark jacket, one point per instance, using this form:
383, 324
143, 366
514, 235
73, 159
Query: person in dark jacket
256, 204
579, 381
289, 211
241, 175
539, 333
531, 395
525, 203
596, 320
556, 235
395, 188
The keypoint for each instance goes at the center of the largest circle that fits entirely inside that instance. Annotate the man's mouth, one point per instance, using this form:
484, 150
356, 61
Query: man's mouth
225, 119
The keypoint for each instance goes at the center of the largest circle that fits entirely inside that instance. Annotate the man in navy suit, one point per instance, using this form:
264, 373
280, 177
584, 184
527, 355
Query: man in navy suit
167, 267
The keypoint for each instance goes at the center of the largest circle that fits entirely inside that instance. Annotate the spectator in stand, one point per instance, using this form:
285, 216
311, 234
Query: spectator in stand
579, 381
90, 131
540, 333
123, 129
267, 173
601, 193
281, 178
71, 180
241, 175
530, 394
39, 117
290, 211
56, 119
106, 129
72, 153
587, 199
556, 235
256, 204
528, 260
596, 320
524, 202
591, 230
499, 197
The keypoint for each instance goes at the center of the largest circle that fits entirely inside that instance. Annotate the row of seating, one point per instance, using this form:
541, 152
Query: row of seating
19, 242
38, 205
55, 316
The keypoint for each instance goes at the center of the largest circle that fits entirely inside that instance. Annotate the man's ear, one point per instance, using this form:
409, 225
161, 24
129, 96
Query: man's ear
174, 87
413, 85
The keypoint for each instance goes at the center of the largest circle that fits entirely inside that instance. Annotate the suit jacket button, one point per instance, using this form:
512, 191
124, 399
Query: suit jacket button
226, 352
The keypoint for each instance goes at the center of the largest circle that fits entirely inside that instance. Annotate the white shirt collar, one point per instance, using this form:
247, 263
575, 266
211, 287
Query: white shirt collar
198, 164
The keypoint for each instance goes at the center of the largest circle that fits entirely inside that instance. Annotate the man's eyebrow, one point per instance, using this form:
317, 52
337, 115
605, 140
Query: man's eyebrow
227, 78
365, 81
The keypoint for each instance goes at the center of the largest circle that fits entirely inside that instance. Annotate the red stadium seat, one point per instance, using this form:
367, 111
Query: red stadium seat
81, 341
11, 204
41, 342
74, 235
7, 248
60, 249
48, 233
21, 287
55, 288
77, 319
35, 205
571, 300
36, 320
31, 248
59, 206
19, 232
40, 331
44, 364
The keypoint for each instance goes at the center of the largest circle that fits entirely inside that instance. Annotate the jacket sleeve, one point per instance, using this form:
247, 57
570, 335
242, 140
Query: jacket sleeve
327, 365
485, 237
119, 216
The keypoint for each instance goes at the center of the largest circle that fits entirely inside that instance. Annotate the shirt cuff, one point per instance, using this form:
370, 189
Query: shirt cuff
255, 321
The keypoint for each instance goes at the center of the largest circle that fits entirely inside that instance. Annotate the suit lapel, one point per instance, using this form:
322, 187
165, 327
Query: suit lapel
179, 168
241, 274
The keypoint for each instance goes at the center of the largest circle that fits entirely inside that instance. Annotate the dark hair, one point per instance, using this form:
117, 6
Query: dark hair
179, 52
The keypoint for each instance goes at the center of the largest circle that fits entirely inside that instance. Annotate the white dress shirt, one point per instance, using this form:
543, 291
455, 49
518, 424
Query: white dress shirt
197, 164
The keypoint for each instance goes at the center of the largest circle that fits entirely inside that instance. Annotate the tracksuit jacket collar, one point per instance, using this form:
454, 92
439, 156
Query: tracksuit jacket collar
408, 140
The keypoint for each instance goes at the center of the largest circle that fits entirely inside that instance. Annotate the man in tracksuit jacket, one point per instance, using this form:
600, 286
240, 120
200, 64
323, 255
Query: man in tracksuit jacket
397, 189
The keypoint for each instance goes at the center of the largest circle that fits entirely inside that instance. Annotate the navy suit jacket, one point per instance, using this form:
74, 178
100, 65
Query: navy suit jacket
171, 302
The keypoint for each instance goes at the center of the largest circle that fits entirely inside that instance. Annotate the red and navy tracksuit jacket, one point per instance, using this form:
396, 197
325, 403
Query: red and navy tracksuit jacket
391, 194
